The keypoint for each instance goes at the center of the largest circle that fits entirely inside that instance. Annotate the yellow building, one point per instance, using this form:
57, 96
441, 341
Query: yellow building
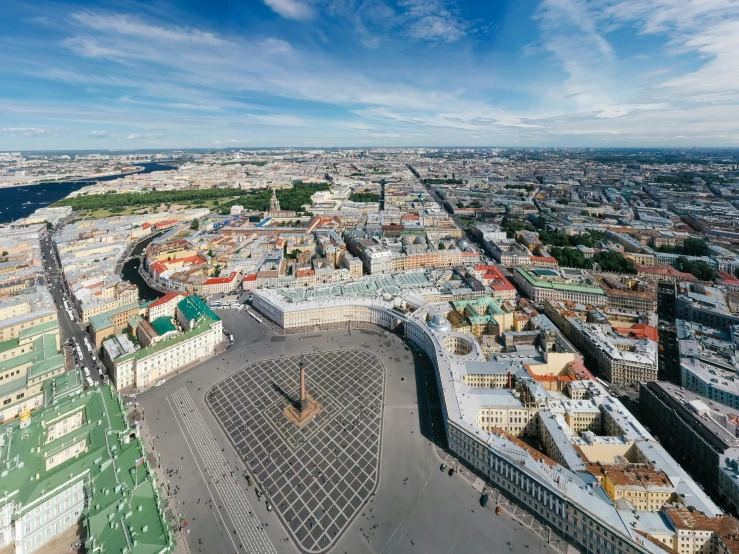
645, 487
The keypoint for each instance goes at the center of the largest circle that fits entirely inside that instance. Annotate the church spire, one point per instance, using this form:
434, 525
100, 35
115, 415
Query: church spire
274, 204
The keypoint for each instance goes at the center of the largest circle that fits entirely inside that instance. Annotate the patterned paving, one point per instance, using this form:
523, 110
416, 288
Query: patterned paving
319, 476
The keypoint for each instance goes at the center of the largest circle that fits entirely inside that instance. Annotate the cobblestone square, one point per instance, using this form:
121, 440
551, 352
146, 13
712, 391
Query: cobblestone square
320, 475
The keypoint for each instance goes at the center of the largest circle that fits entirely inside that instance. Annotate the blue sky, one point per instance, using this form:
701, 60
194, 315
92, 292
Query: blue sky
258, 73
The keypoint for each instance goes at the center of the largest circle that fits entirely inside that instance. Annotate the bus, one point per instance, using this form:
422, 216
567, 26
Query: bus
215, 304
255, 316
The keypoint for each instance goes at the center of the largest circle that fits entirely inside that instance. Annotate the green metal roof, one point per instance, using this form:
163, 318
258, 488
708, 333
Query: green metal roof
193, 309
134, 321
124, 512
39, 349
45, 366
103, 321
7, 345
39, 329
543, 283
492, 305
163, 325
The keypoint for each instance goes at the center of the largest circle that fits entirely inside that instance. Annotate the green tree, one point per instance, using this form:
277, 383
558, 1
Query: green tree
195, 225
217, 270
210, 253
442, 246
695, 247
614, 262
700, 269
365, 196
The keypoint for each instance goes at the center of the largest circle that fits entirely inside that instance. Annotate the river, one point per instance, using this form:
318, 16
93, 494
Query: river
19, 202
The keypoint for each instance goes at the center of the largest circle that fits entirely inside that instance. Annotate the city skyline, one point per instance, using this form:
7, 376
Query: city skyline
303, 73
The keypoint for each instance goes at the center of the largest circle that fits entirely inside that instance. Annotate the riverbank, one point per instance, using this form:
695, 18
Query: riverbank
76, 178
20, 202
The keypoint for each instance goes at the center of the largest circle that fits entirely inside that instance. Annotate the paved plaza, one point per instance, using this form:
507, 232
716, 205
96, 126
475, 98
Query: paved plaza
317, 476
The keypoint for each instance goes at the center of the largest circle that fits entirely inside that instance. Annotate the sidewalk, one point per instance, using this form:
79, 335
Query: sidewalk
162, 482
515, 511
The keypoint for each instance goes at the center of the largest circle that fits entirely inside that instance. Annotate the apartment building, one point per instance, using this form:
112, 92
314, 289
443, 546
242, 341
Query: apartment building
170, 344
28, 359
700, 433
700, 303
549, 284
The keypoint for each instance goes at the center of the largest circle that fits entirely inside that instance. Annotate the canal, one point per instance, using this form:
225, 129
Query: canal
131, 271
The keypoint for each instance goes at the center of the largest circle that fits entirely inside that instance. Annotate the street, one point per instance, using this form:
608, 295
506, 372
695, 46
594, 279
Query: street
68, 328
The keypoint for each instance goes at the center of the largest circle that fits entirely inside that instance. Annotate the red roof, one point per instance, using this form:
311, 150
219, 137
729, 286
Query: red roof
728, 278
640, 331
167, 297
497, 280
304, 273
544, 259
664, 269
220, 280
158, 267
166, 223
251, 277
411, 216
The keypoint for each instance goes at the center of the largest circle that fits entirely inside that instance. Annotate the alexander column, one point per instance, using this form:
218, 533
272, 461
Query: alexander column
303, 402
305, 408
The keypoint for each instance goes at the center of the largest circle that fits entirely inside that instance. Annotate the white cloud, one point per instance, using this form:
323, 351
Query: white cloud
570, 34
120, 24
432, 20
25, 131
143, 136
282, 120
190, 81
291, 9
101, 134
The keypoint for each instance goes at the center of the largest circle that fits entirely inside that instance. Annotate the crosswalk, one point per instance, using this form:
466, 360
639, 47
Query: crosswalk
213, 466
